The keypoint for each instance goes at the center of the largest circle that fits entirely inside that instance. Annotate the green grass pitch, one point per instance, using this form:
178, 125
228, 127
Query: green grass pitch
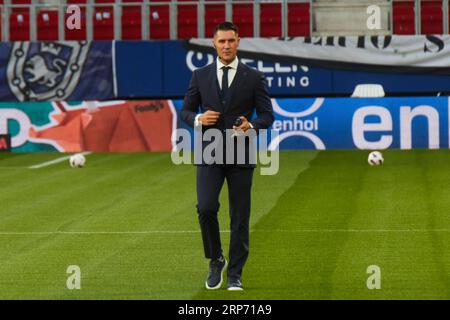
129, 222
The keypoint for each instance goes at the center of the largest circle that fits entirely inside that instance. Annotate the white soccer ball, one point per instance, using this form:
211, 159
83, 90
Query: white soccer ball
77, 161
375, 158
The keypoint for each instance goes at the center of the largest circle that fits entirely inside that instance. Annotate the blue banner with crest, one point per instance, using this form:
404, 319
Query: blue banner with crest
103, 70
48, 71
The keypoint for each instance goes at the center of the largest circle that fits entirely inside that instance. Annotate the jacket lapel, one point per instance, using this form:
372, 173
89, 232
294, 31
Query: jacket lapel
212, 80
241, 73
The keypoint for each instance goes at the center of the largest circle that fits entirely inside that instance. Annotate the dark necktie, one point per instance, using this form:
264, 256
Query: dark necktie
225, 81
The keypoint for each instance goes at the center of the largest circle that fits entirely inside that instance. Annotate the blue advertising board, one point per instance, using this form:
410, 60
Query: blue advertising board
352, 123
301, 124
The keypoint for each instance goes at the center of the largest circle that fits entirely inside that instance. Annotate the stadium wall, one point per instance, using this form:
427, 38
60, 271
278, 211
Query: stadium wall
64, 96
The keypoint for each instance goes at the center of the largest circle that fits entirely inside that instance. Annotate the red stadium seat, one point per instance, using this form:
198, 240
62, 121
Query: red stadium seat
19, 22
104, 21
243, 18
187, 25
19, 26
77, 34
187, 21
131, 21
47, 21
403, 17
214, 14
159, 20
298, 19
270, 18
431, 17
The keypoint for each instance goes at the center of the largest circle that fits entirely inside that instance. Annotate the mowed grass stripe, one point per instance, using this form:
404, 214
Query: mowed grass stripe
176, 191
343, 193
118, 267
436, 184
23, 159
95, 163
268, 191
145, 232
301, 264
313, 233
155, 185
392, 197
84, 193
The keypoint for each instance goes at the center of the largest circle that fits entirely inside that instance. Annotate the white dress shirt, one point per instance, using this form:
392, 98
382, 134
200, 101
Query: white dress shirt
231, 72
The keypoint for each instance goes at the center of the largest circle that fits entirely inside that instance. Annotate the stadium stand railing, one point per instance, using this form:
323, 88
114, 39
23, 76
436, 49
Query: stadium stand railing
350, 17
45, 20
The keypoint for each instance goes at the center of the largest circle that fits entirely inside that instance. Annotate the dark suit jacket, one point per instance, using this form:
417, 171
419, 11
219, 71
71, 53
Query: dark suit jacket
247, 93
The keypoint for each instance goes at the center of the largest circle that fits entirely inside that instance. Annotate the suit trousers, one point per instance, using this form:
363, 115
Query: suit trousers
210, 179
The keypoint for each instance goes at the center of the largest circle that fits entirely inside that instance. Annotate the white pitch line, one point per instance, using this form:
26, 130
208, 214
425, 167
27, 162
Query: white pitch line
100, 232
5, 233
355, 230
58, 160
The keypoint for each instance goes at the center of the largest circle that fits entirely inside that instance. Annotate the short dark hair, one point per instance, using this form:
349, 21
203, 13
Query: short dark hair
225, 26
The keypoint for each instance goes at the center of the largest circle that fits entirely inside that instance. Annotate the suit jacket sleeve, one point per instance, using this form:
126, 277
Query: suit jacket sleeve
192, 101
264, 111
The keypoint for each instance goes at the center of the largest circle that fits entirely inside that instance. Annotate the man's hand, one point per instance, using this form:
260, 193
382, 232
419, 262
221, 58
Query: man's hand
245, 125
209, 118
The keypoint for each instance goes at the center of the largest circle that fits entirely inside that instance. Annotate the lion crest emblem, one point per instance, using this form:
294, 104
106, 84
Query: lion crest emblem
45, 71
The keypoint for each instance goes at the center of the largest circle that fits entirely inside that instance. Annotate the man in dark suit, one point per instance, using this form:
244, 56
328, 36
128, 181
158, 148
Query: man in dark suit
225, 91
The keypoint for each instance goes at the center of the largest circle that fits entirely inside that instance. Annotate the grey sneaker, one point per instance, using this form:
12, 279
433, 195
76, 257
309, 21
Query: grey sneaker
234, 284
215, 275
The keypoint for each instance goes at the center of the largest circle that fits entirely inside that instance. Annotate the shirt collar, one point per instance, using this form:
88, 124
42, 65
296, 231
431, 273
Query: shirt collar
232, 65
